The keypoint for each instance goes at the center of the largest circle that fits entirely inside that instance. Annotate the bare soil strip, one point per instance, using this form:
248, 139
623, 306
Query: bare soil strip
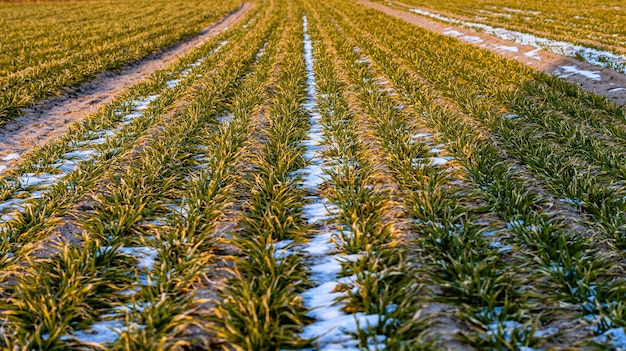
612, 83
51, 117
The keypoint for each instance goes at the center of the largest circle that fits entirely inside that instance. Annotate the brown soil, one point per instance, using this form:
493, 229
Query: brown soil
537, 58
51, 117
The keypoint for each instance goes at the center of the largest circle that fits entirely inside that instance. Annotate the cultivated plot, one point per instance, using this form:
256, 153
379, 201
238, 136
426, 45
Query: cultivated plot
323, 176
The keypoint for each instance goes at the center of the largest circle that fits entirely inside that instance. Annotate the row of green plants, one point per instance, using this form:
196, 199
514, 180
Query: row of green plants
454, 256
52, 46
260, 309
160, 208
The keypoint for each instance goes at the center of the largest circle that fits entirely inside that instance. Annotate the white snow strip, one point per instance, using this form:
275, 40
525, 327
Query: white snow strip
146, 256
420, 136
506, 48
82, 155
471, 39
11, 204
500, 247
43, 179
101, 332
533, 54
434, 161
616, 89
614, 337
225, 119
91, 142
439, 161
568, 71
283, 249
596, 57
331, 323
10, 157
452, 32
143, 104
262, 51
172, 83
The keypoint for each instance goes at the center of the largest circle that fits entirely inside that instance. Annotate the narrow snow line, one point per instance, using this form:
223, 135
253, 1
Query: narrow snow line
593, 56
567, 71
332, 325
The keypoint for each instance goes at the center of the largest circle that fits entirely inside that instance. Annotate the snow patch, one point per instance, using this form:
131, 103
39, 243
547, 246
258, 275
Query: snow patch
10, 157
534, 54
452, 32
471, 39
101, 332
506, 48
146, 256
614, 337
568, 71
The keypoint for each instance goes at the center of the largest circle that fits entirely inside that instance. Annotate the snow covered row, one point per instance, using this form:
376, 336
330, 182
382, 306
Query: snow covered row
332, 326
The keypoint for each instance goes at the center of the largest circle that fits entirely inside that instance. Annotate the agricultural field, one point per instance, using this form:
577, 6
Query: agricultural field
323, 176
48, 46
590, 30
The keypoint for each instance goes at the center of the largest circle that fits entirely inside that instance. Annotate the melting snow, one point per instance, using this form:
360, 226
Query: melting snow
452, 32
615, 337
146, 256
471, 39
533, 54
439, 161
101, 332
10, 157
568, 71
506, 48
143, 104
172, 83
594, 56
